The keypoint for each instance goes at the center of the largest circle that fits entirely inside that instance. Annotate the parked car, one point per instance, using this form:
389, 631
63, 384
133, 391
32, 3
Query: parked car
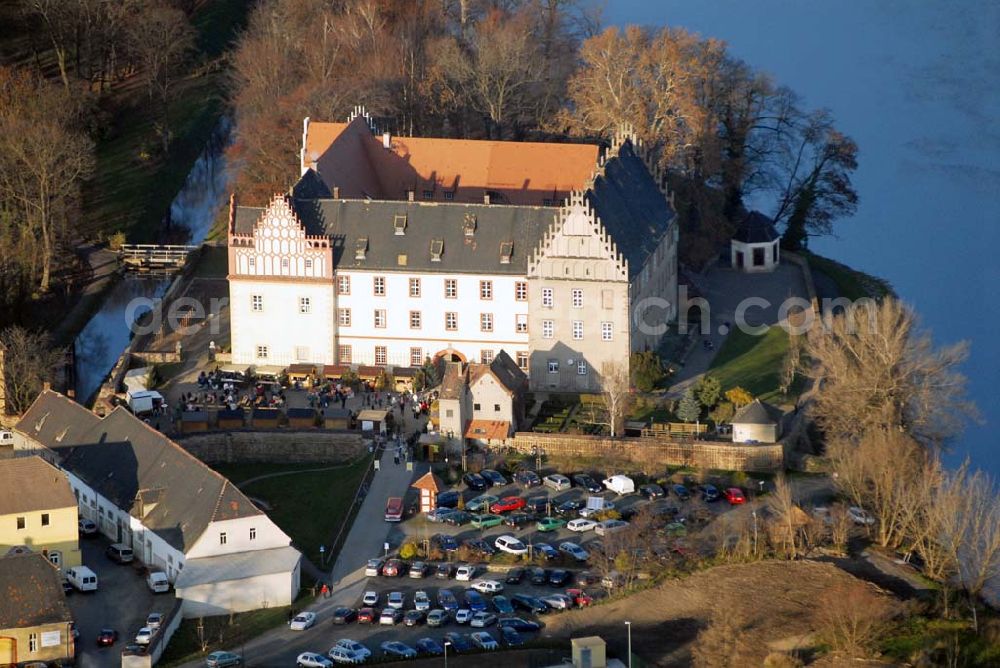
860, 516
457, 518
581, 525
482, 620
475, 601
342, 655
529, 603
547, 524
413, 617
437, 617
370, 598
465, 573
510, 545
448, 499
374, 567
154, 620
458, 641
546, 550
107, 637
514, 576
734, 495
537, 504
652, 491
518, 624
447, 544
507, 504
558, 601
527, 478
480, 547
120, 554
573, 550
486, 521
355, 648
483, 640
394, 568
418, 569
709, 493
580, 598
620, 484
447, 600
398, 649
558, 577
609, 526
444, 571
302, 621
495, 478
518, 520
475, 482
538, 576
681, 492
487, 586
595, 508
588, 483
390, 616
569, 508
421, 601
511, 637
366, 616
502, 605
481, 503
344, 615
439, 514
396, 600
463, 615
429, 646
144, 636
86, 528
312, 660
557, 482
222, 660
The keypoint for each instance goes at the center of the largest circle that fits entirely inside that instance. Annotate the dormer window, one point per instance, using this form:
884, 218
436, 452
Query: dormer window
449, 195
506, 251
361, 248
437, 249
399, 224
428, 194
469, 226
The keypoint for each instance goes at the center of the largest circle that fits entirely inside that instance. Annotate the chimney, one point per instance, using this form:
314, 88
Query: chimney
486, 198
411, 195
387, 140
336, 192
232, 213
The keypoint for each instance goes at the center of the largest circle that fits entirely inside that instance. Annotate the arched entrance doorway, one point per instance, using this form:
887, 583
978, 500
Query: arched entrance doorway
450, 355
8, 651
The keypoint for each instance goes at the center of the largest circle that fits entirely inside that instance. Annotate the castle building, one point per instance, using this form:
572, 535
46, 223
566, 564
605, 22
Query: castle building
391, 250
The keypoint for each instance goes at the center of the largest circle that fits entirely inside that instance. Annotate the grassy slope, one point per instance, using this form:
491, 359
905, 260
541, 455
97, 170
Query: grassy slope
752, 362
850, 283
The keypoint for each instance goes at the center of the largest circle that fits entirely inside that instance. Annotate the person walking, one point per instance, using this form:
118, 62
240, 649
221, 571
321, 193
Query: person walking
325, 591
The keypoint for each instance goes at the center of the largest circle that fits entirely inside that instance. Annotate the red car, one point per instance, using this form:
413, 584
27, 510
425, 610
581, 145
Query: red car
367, 616
507, 504
107, 637
393, 568
581, 599
734, 495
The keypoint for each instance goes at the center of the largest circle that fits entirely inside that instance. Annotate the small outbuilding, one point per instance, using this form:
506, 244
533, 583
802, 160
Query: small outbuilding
333, 371
757, 422
429, 486
403, 378
754, 247
301, 418
374, 420
265, 418
301, 373
336, 418
194, 421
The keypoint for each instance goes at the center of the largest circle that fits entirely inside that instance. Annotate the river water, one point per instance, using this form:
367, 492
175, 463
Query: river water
108, 332
917, 85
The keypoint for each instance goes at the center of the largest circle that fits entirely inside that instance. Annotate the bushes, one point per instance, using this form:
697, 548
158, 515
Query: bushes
408, 551
647, 370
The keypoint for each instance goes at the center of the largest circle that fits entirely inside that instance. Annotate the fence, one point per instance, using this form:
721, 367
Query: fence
655, 452
171, 622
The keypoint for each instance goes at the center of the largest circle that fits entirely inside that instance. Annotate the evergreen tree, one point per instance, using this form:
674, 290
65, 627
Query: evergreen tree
689, 409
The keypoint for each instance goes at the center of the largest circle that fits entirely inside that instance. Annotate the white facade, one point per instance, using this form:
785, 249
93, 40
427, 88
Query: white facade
755, 257
221, 598
245, 534
412, 316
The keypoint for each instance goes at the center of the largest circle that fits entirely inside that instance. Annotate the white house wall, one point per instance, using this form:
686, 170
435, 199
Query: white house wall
221, 598
238, 539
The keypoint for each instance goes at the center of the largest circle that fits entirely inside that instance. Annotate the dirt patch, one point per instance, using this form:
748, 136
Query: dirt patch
773, 600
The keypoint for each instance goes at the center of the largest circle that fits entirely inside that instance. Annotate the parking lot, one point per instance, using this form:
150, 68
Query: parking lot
121, 602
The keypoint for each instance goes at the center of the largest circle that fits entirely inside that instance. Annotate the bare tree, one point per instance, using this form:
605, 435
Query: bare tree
974, 535
785, 516
29, 361
616, 392
851, 617
723, 644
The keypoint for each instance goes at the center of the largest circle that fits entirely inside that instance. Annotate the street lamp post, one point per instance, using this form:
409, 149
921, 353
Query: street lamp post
446, 646
754, 513
628, 625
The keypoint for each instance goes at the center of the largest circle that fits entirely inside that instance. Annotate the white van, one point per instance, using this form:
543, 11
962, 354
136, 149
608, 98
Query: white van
157, 582
6, 437
82, 578
620, 484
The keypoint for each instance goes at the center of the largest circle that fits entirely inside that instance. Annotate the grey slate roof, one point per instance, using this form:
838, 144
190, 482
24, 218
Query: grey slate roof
31, 483
240, 566
758, 412
123, 459
632, 207
30, 593
756, 228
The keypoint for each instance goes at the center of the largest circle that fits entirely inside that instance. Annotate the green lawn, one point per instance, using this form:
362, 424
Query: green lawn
753, 363
309, 506
185, 646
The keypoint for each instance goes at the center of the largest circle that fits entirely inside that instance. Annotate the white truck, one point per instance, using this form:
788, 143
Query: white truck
82, 578
144, 401
620, 484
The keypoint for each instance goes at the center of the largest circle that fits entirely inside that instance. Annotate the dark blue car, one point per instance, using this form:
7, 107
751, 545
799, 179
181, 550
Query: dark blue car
529, 603
445, 542
518, 624
494, 478
502, 605
447, 600
458, 642
511, 637
448, 499
429, 646
709, 493
475, 481
475, 601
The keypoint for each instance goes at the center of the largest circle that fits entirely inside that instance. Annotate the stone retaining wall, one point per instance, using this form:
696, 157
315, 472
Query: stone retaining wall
294, 447
656, 452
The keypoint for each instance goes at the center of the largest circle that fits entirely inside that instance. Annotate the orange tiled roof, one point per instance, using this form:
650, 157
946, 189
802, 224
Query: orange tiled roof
348, 156
488, 430
428, 481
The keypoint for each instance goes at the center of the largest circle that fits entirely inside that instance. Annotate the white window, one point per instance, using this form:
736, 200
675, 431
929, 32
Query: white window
521, 291
577, 298
301, 354
379, 317
380, 355
486, 289
581, 368
253, 533
553, 366
522, 360
55, 558
450, 288
261, 352
451, 321
378, 284
309, 264
547, 297
305, 305
414, 287
548, 329
415, 319
521, 323
257, 303
222, 538
343, 285
486, 322
284, 263
486, 356
416, 356
344, 354
32, 642
607, 331
344, 317
578, 330
253, 262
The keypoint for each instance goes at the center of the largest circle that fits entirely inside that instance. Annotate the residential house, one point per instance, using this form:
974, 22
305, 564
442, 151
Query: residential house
757, 422
38, 511
482, 402
35, 621
221, 552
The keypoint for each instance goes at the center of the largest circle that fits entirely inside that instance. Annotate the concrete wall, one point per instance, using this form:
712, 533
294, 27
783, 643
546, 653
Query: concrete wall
760, 433
269, 446
656, 452
221, 598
